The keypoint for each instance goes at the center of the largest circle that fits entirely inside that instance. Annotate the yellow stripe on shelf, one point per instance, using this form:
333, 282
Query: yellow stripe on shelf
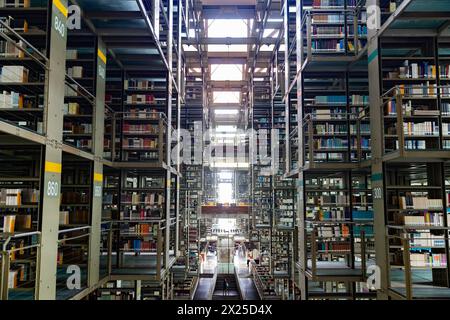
61, 7
102, 56
53, 167
98, 177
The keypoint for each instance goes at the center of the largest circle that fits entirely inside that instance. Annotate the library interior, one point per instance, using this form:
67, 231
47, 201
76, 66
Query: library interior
224, 149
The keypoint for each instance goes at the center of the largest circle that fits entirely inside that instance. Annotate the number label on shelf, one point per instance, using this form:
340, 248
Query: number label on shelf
377, 193
52, 189
60, 26
101, 72
97, 191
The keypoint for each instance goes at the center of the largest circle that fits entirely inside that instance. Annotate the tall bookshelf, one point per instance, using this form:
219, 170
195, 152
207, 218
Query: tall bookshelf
328, 92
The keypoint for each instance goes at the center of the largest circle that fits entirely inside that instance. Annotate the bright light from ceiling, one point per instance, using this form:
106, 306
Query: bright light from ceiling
227, 28
271, 33
224, 128
225, 192
226, 112
226, 96
226, 72
227, 48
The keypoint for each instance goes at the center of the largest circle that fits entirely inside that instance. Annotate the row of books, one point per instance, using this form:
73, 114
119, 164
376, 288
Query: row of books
421, 70
143, 198
141, 114
428, 260
357, 99
325, 183
334, 246
140, 229
427, 128
14, 223
144, 143
140, 128
421, 90
142, 214
141, 99
77, 216
18, 197
426, 239
338, 31
413, 144
330, 128
334, 45
409, 201
13, 74
77, 128
140, 246
330, 143
84, 144
15, 100
333, 199
75, 197
330, 100
75, 72
71, 108
138, 84
427, 219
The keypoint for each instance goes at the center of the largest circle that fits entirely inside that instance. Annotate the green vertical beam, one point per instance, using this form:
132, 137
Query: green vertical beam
53, 122
98, 138
300, 184
376, 127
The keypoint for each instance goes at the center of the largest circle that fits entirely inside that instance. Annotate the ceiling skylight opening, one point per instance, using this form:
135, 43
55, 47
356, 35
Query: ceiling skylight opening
189, 48
271, 33
227, 48
226, 72
227, 28
268, 47
226, 112
226, 128
226, 97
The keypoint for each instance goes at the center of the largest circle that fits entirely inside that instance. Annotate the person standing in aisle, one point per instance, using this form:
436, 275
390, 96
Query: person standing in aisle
225, 286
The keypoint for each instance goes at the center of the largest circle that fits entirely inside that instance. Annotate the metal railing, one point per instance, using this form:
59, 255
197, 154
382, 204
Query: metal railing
21, 283
73, 263
414, 266
351, 148
349, 17
399, 113
349, 250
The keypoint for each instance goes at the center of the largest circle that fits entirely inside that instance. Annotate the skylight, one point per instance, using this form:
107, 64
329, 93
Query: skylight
226, 96
226, 72
226, 112
227, 48
227, 28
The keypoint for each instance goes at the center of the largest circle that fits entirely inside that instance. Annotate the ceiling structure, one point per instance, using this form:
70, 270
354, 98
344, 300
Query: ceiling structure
232, 45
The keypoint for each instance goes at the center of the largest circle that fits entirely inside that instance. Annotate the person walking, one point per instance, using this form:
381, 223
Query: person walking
225, 286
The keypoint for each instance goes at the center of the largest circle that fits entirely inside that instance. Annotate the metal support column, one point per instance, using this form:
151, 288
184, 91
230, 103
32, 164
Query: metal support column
300, 182
179, 93
97, 197
169, 133
286, 92
53, 123
376, 127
